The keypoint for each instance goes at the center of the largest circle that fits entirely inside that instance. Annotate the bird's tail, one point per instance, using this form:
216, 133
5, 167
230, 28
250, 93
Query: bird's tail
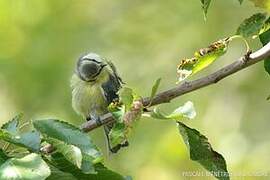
115, 149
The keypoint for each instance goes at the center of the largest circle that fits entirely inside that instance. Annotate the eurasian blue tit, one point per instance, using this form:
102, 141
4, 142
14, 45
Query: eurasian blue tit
95, 84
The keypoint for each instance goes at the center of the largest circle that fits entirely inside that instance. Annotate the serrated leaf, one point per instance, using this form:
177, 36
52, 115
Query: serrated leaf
12, 126
126, 97
117, 134
202, 59
31, 166
72, 153
201, 151
205, 6
71, 135
29, 140
265, 38
252, 25
154, 89
62, 164
182, 112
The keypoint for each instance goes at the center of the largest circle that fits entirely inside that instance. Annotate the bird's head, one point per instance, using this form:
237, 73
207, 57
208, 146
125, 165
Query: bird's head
90, 66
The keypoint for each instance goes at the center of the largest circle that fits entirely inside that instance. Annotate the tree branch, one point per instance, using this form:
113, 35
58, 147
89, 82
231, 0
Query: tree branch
186, 87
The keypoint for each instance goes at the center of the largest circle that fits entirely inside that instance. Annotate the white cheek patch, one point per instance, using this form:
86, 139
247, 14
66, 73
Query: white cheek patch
94, 56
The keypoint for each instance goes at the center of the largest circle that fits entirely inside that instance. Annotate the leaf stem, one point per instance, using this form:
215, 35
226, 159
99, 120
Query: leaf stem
243, 39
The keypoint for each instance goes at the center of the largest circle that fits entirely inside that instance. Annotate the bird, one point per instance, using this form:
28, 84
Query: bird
95, 83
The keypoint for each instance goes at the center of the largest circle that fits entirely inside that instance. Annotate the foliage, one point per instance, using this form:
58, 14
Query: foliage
265, 4
265, 38
31, 166
201, 151
205, 6
202, 58
73, 148
10, 133
127, 111
253, 26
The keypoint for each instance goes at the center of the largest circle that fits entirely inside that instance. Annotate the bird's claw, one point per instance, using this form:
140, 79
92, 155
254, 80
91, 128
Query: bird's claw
96, 119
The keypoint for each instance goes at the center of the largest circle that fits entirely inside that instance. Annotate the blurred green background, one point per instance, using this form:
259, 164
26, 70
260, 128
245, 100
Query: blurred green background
40, 42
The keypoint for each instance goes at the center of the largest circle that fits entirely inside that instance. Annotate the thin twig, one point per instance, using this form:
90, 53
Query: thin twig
186, 87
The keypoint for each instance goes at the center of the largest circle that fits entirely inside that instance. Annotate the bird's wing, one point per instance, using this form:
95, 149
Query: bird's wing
110, 88
113, 84
115, 73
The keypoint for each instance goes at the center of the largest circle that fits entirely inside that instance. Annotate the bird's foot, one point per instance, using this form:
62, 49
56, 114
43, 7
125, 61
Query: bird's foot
95, 118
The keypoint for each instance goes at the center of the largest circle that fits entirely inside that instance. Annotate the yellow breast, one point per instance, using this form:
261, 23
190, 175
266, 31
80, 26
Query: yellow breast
87, 97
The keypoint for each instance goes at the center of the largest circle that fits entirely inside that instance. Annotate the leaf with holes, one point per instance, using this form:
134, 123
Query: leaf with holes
202, 59
126, 97
201, 151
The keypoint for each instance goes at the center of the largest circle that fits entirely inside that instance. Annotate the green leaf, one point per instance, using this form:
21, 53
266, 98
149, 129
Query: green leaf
10, 132
202, 59
267, 65
265, 38
118, 113
154, 89
71, 135
205, 6
29, 167
58, 161
201, 151
252, 25
11, 126
57, 174
240, 1
126, 97
185, 111
29, 140
182, 112
117, 134
72, 153
124, 121
262, 4
268, 98
3, 157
